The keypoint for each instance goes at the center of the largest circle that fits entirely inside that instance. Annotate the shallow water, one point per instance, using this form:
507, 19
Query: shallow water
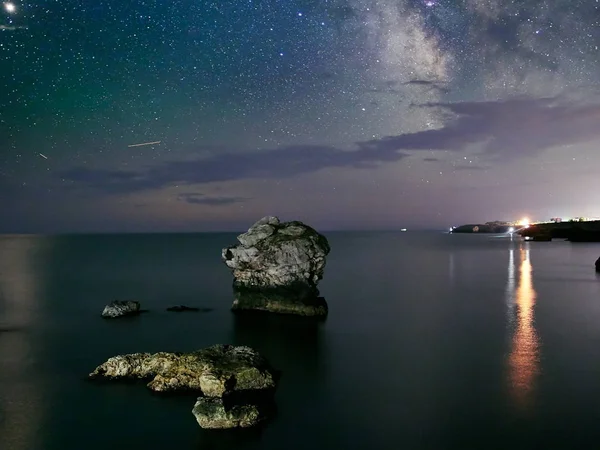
433, 341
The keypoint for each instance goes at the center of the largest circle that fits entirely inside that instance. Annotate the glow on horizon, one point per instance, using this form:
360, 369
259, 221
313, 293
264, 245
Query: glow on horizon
524, 222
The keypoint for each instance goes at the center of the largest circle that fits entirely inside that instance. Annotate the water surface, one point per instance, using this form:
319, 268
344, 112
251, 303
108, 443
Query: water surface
433, 341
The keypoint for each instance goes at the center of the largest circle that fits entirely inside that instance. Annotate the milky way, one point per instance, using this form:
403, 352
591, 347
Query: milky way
347, 114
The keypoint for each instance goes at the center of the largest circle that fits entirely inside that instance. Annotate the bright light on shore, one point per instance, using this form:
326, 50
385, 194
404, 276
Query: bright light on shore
524, 222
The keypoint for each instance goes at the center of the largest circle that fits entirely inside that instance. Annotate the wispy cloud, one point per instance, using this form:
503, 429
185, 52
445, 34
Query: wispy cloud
283, 162
505, 129
12, 27
197, 198
470, 167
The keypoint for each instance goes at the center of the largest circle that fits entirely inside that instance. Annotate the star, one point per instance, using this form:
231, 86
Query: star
10, 7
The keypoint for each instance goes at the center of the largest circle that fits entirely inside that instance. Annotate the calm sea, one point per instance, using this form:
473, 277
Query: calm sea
433, 341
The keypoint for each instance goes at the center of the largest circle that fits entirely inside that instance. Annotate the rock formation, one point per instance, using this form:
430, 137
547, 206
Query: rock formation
231, 411
277, 266
120, 308
237, 384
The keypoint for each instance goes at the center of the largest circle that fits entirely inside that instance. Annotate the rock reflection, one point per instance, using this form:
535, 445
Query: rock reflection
19, 395
295, 345
524, 355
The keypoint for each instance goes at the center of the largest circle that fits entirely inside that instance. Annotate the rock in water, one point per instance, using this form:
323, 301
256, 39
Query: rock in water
299, 301
120, 308
215, 413
277, 266
598, 265
182, 308
214, 370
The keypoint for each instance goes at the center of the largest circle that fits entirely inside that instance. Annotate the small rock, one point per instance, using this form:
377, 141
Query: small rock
215, 413
182, 308
120, 308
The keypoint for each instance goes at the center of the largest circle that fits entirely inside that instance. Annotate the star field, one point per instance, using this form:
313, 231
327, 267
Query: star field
347, 114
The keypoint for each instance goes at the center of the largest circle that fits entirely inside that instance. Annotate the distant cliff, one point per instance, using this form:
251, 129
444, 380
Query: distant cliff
572, 231
482, 228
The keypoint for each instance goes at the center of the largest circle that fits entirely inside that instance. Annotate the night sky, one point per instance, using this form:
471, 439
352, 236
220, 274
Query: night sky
346, 114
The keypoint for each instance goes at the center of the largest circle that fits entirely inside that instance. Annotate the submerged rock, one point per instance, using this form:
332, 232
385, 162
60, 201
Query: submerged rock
213, 371
219, 413
277, 266
598, 265
301, 302
121, 308
182, 308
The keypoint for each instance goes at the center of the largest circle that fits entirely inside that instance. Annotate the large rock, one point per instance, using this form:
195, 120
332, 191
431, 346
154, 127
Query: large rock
277, 266
213, 371
121, 308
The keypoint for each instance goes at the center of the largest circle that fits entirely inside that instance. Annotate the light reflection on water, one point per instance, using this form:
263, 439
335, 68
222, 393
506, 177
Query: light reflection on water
20, 406
523, 360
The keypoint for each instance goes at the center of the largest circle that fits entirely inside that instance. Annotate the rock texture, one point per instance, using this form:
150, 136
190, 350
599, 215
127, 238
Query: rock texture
215, 413
237, 384
120, 308
213, 371
277, 266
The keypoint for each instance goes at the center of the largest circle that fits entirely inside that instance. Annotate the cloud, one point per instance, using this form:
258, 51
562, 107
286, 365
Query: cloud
12, 27
197, 198
283, 162
506, 129
469, 168
503, 129
429, 85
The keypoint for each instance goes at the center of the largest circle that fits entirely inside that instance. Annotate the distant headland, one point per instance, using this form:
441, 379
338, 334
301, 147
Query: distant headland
580, 229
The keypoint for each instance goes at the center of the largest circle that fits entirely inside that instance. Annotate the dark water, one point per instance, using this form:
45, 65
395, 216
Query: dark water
433, 341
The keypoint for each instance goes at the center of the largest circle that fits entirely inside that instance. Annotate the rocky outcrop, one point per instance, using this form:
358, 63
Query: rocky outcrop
598, 265
277, 266
212, 371
230, 412
121, 308
235, 382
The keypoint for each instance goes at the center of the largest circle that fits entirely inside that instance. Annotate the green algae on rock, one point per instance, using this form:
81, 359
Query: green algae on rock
213, 371
218, 413
299, 302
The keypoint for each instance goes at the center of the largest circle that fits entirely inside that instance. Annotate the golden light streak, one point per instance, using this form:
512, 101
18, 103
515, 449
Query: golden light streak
524, 357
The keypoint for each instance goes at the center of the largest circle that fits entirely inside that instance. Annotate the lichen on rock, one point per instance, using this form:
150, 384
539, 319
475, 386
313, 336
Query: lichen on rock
213, 371
227, 412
